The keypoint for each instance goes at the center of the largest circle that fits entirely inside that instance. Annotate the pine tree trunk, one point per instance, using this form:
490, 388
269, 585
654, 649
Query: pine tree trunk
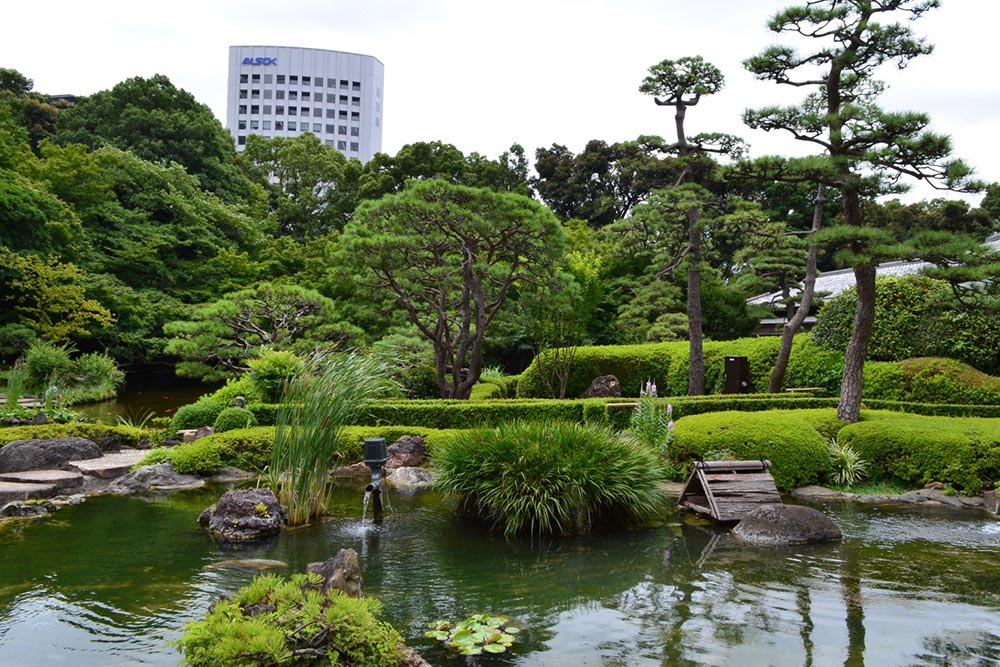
696, 356
849, 409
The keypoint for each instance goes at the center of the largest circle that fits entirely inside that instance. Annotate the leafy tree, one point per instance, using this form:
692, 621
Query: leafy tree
159, 122
34, 112
604, 182
866, 150
222, 336
34, 220
48, 297
450, 256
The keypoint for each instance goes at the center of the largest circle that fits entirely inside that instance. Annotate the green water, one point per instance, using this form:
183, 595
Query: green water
111, 581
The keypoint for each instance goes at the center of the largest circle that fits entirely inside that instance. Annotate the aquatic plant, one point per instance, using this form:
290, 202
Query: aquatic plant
550, 476
273, 621
478, 633
327, 394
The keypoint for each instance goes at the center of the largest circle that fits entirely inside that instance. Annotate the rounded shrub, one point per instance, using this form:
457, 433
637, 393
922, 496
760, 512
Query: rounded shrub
932, 380
195, 415
270, 371
233, 418
550, 477
201, 457
797, 451
277, 622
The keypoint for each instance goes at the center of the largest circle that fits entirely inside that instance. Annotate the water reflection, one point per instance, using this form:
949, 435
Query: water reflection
110, 582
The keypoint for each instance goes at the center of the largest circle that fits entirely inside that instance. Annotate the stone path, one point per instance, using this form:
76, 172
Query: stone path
48, 483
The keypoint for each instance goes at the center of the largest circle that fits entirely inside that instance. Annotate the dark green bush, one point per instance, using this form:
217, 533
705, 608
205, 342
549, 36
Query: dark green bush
195, 415
201, 457
797, 451
931, 380
915, 450
273, 622
270, 371
46, 364
233, 418
265, 413
550, 477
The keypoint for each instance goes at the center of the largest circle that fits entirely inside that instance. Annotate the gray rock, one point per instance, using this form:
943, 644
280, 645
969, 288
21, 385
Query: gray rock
202, 432
356, 470
786, 524
406, 452
40, 418
243, 515
991, 501
20, 509
605, 386
230, 474
411, 476
342, 572
159, 477
42, 454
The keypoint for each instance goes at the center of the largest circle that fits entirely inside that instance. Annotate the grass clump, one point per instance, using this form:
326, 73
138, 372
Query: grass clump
847, 468
273, 622
550, 477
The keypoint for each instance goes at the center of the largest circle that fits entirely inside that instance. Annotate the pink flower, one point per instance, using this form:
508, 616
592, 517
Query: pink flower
670, 425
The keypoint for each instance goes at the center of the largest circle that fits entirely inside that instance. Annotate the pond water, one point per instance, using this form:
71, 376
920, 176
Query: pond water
157, 393
111, 581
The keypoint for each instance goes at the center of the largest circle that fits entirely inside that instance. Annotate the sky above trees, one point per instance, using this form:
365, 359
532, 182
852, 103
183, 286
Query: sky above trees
483, 75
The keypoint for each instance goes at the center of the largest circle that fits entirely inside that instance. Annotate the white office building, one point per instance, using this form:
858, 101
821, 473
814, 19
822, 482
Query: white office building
284, 91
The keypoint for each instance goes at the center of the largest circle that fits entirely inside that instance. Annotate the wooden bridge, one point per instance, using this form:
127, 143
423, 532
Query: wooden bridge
727, 490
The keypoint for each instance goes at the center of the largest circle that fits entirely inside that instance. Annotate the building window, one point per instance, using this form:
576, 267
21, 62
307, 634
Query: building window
255, 78
280, 78
306, 81
354, 146
242, 141
279, 111
343, 99
330, 83
303, 111
291, 125
330, 129
342, 130
355, 116
343, 84
242, 125
279, 125
293, 111
355, 132
254, 94
355, 101
255, 125
293, 95
243, 94
305, 95
267, 109
319, 82
342, 145
378, 92
254, 109
378, 122
267, 93
244, 78
378, 107
243, 109
329, 142
293, 78
331, 98
356, 85
331, 113
317, 127
268, 78
342, 114
279, 94
317, 112
266, 125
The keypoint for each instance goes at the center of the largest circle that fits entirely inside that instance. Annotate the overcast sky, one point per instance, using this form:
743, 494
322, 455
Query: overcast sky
485, 75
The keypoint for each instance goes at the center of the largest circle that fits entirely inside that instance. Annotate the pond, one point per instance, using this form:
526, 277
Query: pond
159, 394
111, 581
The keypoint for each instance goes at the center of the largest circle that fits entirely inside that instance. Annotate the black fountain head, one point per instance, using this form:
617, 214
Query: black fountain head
375, 453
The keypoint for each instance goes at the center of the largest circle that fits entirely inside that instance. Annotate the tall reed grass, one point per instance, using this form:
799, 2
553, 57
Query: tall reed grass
327, 394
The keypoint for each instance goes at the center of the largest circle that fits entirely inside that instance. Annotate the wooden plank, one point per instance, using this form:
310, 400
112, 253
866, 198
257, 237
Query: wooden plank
746, 476
715, 466
708, 492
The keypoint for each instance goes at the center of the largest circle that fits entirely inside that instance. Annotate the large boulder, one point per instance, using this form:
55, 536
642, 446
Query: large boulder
411, 476
786, 524
342, 572
242, 515
406, 452
159, 477
605, 386
53, 453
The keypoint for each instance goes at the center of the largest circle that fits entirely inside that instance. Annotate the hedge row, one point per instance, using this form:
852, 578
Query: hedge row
127, 436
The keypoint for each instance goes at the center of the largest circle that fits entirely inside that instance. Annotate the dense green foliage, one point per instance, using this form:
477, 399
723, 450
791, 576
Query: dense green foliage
232, 418
273, 621
797, 451
195, 415
127, 436
550, 477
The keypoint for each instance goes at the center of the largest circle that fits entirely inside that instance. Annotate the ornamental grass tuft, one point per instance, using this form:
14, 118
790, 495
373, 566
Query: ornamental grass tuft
551, 477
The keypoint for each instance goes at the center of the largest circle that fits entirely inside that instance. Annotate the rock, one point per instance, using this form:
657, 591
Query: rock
40, 418
247, 564
230, 474
159, 477
411, 476
934, 495
55, 453
991, 501
112, 443
813, 491
203, 431
605, 386
342, 572
144, 444
244, 514
356, 470
412, 659
406, 452
786, 524
20, 509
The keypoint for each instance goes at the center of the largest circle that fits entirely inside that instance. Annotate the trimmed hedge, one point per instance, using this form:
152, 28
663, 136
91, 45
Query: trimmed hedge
796, 449
234, 418
961, 452
130, 436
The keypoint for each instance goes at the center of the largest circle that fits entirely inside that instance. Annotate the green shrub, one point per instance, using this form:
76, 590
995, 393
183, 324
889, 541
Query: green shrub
264, 413
46, 364
915, 450
98, 431
233, 418
195, 415
233, 387
270, 371
798, 453
273, 622
482, 391
884, 380
201, 457
847, 468
931, 380
550, 477
97, 369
